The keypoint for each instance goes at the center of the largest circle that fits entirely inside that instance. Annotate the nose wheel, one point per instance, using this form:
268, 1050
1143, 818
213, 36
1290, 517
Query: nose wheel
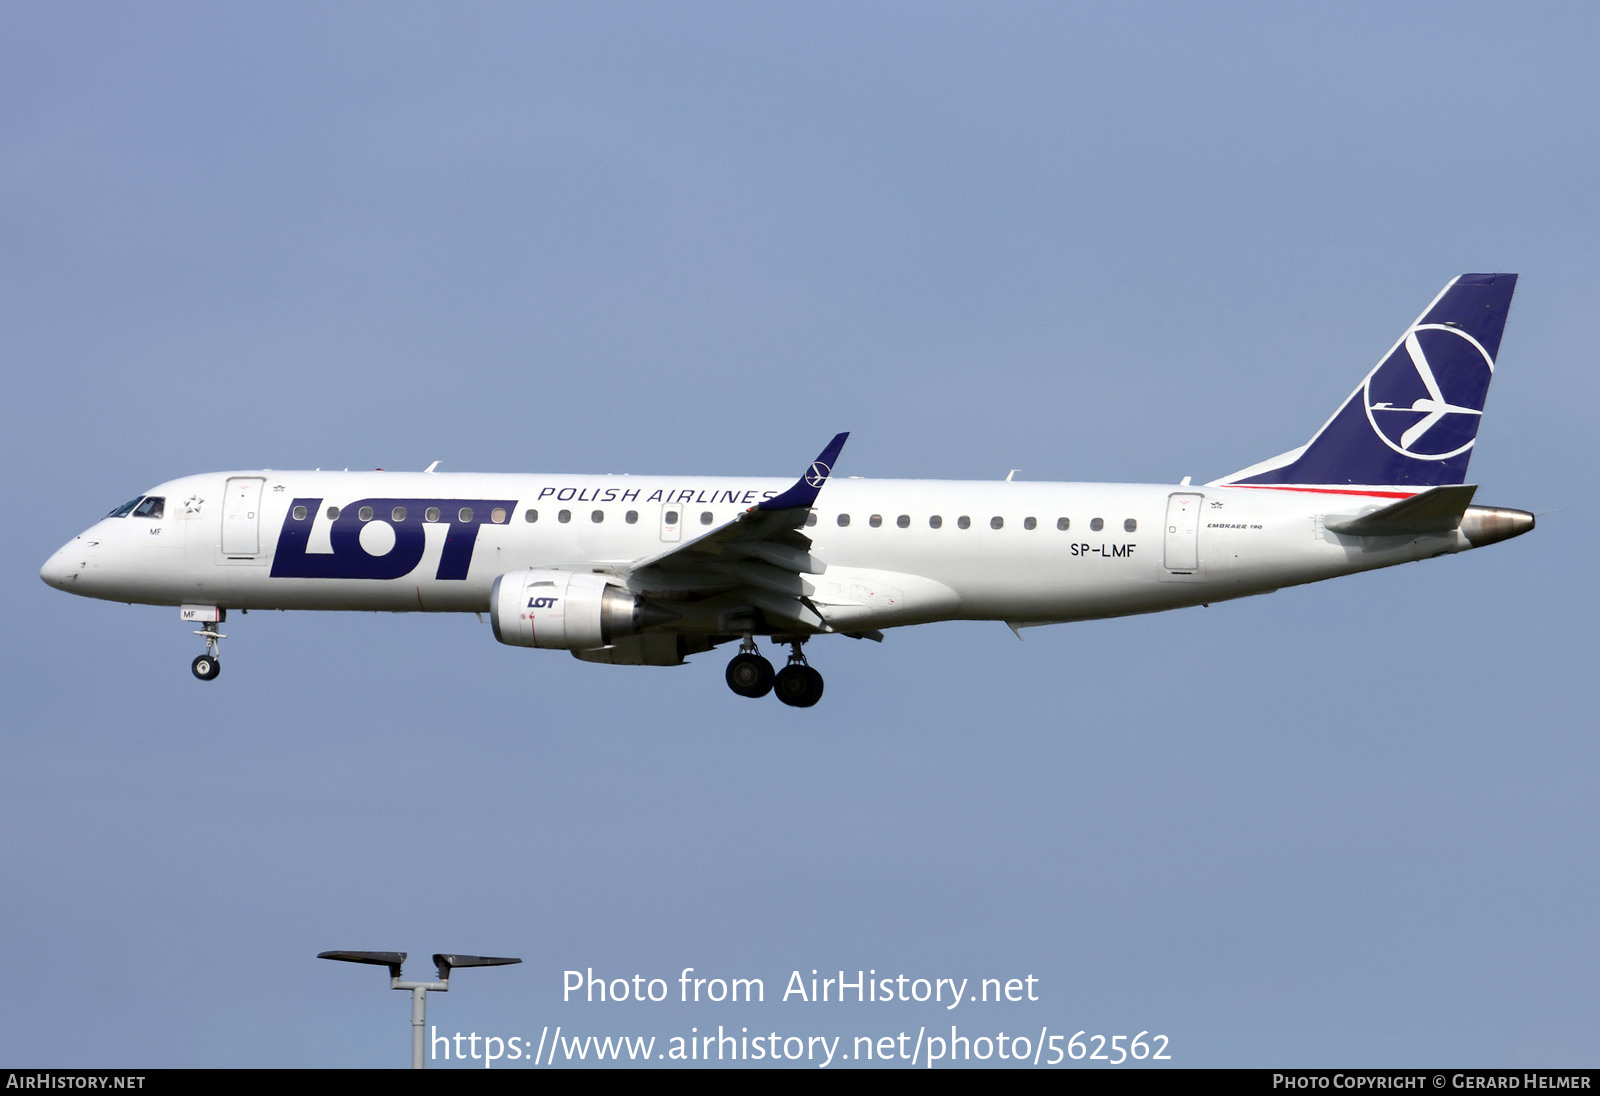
207, 666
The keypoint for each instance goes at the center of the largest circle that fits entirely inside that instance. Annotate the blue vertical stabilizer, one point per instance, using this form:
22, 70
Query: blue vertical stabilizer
1412, 422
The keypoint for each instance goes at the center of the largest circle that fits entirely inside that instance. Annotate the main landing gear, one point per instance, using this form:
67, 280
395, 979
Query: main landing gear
749, 674
797, 684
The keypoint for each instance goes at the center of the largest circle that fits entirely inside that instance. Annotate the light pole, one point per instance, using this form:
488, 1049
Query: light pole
419, 990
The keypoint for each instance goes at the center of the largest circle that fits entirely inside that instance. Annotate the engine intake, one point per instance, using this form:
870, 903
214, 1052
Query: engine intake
567, 610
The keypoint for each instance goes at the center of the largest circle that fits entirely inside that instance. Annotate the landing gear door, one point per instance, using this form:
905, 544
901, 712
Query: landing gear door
1181, 540
241, 517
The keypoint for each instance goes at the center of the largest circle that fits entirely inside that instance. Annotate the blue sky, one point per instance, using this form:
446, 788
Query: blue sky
1345, 824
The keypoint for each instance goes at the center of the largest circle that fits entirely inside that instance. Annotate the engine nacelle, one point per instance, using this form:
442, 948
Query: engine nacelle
567, 610
650, 649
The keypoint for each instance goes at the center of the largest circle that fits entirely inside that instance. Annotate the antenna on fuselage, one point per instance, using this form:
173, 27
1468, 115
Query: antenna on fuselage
431, 467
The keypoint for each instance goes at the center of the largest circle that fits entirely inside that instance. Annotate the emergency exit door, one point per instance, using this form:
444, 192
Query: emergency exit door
671, 523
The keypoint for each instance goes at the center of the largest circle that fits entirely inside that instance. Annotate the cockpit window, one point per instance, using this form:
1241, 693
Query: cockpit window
126, 508
151, 507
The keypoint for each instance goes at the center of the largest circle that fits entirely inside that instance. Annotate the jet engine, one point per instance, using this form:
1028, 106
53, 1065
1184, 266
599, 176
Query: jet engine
567, 610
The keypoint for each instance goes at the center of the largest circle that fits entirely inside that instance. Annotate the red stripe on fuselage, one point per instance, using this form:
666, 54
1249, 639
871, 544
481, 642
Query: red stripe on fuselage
1325, 490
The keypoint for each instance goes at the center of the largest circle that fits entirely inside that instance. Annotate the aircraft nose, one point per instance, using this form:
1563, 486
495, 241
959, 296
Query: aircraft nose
62, 569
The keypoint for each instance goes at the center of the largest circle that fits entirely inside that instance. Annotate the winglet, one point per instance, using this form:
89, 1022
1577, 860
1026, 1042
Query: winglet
804, 491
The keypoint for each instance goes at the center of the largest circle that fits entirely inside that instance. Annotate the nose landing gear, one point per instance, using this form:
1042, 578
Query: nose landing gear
207, 666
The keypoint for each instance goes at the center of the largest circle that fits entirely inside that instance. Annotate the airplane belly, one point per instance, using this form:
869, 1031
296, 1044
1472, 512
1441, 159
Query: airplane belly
1078, 579
856, 597
256, 590
1265, 551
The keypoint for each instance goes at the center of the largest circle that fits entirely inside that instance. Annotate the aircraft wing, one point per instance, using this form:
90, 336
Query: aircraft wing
760, 557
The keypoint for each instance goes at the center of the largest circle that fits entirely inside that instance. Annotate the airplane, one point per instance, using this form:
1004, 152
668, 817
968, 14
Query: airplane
650, 570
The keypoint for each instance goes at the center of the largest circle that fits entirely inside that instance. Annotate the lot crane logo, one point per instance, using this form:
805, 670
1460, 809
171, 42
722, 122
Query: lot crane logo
1426, 399
817, 474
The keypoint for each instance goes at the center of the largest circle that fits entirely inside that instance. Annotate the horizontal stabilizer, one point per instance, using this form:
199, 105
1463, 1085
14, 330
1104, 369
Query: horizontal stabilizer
1437, 510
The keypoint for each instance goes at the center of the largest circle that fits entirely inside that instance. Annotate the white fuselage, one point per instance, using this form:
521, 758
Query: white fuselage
895, 552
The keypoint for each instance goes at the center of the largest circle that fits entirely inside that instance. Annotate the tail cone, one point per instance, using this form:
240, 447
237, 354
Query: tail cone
1490, 524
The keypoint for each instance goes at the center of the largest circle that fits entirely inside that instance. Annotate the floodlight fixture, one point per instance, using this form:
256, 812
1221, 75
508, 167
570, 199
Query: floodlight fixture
443, 963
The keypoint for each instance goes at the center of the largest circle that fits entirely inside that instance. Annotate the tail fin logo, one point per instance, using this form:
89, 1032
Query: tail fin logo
1427, 397
817, 474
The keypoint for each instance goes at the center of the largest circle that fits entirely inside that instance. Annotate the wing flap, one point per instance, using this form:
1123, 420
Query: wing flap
764, 576
792, 609
788, 557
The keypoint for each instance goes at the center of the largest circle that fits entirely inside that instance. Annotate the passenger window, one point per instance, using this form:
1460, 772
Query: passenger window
150, 507
811, 519
705, 517
844, 519
399, 513
365, 514
996, 523
498, 515
598, 516
432, 514
935, 521
964, 522
333, 513
126, 508
631, 517
531, 516
875, 520
1063, 524
1030, 523
465, 515
904, 521
299, 513
1097, 524
564, 516
672, 517
1130, 526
